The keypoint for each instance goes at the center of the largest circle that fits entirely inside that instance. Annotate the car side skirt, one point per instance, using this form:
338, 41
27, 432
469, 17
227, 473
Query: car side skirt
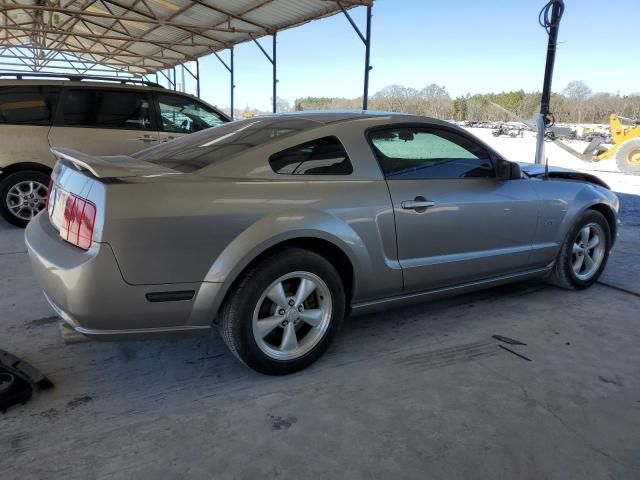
420, 297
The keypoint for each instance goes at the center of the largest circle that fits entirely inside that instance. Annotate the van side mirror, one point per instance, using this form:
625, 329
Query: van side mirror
506, 170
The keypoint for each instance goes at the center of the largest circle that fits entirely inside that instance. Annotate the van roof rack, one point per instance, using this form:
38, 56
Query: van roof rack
77, 78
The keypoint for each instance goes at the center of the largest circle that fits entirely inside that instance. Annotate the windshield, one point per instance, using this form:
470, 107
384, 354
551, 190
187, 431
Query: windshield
199, 150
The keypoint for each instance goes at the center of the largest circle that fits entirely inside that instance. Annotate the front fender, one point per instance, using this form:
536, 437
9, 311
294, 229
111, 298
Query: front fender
587, 198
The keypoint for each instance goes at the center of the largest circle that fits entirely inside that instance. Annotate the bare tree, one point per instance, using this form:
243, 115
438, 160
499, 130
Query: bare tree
577, 92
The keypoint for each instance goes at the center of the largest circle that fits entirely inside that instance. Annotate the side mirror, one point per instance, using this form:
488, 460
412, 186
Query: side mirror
506, 170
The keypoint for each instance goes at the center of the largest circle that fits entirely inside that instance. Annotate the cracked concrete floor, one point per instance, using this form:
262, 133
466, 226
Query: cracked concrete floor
420, 392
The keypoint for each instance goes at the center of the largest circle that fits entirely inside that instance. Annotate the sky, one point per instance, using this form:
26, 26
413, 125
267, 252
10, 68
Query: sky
469, 46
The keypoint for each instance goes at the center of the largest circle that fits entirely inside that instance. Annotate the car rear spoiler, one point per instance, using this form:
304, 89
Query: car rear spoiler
120, 166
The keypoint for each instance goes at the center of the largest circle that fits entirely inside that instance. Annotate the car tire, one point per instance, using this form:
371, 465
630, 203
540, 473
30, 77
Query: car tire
265, 324
582, 259
29, 182
628, 156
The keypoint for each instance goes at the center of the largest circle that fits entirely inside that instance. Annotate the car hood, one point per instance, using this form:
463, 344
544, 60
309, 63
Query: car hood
535, 170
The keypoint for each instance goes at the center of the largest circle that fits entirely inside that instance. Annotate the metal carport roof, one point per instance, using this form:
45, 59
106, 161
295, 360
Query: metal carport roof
143, 36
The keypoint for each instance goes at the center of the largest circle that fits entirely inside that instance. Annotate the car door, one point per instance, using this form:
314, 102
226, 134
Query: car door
103, 121
181, 115
455, 221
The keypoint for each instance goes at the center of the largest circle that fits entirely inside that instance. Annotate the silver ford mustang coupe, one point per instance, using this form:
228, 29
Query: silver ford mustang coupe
274, 228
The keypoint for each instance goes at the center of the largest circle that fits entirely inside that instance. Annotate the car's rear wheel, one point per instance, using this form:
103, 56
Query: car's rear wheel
584, 253
284, 312
23, 195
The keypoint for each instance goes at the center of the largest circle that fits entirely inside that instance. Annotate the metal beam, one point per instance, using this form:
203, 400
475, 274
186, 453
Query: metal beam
367, 62
366, 39
273, 59
197, 78
113, 32
147, 19
229, 67
275, 75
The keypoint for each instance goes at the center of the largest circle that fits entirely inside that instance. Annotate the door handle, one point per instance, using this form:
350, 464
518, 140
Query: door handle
419, 204
166, 139
147, 139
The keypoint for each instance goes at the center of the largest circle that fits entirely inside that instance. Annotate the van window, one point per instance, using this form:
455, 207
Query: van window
100, 108
32, 105
185, 115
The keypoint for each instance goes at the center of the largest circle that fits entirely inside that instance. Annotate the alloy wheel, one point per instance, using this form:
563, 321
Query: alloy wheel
26, 199
292, 315
588, 251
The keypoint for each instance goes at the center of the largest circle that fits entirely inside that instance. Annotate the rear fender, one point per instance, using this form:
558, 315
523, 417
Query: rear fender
289, 225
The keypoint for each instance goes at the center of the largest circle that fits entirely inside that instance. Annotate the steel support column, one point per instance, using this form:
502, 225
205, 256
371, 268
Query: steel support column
544, 118
275, 74
197, 78
229, 67
273, 59
366, 39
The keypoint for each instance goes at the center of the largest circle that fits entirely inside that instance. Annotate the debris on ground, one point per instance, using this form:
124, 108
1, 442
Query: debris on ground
18, 381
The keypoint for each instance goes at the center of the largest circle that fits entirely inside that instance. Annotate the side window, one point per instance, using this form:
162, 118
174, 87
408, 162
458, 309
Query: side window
416, 153
99, 108
325, 156
184, 115
32, 105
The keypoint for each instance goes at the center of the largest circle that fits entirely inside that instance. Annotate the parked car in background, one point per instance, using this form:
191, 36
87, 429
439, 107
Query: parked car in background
99, 117
274, 228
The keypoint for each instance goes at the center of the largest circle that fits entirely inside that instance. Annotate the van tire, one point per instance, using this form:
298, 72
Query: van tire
9, 182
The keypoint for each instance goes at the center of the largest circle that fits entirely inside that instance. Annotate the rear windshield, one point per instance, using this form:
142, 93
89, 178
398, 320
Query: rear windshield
199, 150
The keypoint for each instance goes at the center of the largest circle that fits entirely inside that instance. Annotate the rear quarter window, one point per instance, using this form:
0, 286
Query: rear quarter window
324, 156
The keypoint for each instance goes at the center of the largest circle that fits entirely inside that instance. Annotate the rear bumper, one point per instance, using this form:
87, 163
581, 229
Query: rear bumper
87, 290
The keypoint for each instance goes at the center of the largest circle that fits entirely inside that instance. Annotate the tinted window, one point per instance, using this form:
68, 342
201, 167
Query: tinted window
184, 115
429, 153
199, 150
325, 156
106, 109
33, 105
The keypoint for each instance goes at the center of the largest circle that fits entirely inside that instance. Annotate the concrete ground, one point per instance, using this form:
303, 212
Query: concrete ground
420, 392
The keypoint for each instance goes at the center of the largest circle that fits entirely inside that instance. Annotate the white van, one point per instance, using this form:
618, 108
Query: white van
96, 115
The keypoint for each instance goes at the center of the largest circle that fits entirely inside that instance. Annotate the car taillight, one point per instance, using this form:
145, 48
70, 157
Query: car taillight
79, 219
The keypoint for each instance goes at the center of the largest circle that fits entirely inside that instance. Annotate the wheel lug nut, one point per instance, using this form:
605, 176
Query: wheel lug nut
291, 302
285, 323
300, 308
281, 311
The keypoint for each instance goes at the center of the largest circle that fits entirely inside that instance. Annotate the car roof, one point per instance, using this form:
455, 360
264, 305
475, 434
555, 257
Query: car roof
325, 117
82, 83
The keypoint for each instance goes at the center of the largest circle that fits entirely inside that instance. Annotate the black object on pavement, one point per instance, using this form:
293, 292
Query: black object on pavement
18, 381
515, 353
508, 340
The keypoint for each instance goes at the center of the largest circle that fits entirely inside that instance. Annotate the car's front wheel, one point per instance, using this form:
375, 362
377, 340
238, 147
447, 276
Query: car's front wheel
23, 195
284, 312
584, 253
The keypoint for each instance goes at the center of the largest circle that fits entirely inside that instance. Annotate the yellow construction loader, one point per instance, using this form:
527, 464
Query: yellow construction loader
625, 149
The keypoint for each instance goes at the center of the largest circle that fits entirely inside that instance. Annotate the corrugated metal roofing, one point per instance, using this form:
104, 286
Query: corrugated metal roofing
144, 36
